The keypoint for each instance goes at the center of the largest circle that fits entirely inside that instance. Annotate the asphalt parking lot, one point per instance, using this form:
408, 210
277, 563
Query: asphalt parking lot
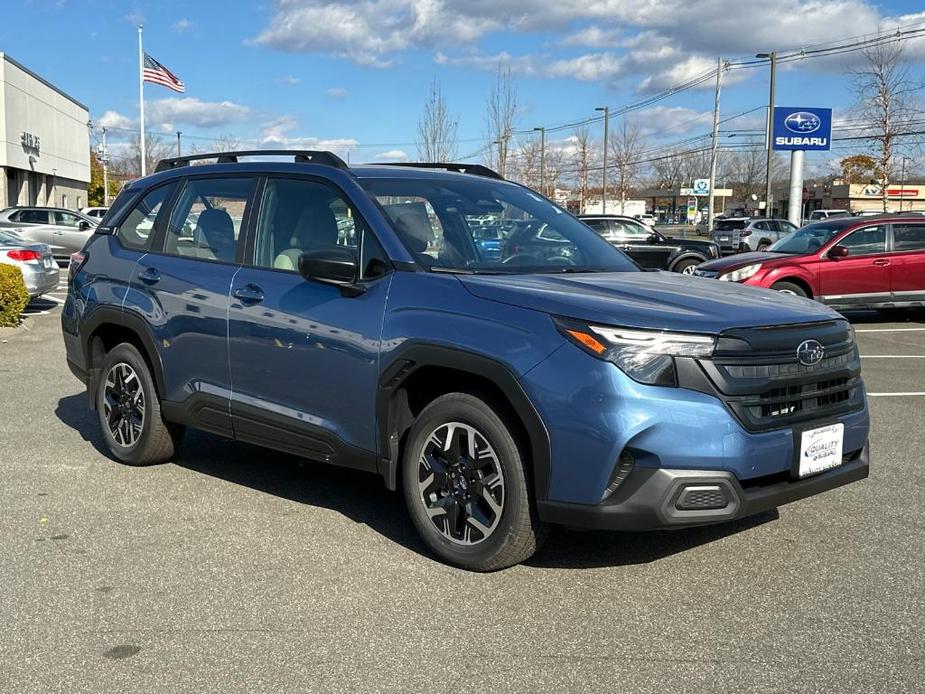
238, 569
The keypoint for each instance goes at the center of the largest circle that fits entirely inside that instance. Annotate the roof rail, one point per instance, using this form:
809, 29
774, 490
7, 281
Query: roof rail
299, 156
473, 169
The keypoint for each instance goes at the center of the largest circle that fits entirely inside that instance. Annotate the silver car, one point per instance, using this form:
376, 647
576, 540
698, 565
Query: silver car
34, 260
743, 234
64, 231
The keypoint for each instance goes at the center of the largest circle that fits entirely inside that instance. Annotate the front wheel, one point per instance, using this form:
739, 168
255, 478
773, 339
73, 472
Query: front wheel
687, 267
789, 288
465, 486
129, 410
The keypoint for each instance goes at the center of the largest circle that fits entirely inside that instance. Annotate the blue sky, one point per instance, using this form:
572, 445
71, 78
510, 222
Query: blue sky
353, 74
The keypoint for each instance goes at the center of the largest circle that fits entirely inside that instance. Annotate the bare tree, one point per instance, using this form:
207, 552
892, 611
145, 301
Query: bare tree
437, 140
626, 148
500, 118
227, 143
583, 159
128, 165
886, 93
528, 160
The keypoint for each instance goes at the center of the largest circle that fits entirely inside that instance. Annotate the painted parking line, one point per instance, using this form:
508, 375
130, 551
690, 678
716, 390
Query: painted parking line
890, 330
920, 393
51, 297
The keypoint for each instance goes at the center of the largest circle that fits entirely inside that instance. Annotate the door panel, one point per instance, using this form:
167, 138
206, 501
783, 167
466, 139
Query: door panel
183, 293
863, 277
304, 356
909, 262
634, 240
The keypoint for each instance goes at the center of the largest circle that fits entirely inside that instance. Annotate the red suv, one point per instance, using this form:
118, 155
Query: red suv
846, 262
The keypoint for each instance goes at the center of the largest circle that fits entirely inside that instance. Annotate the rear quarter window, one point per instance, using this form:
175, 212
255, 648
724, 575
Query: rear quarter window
137, 231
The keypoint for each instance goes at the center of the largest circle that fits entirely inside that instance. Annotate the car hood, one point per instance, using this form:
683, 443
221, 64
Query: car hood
656, 300
734, 262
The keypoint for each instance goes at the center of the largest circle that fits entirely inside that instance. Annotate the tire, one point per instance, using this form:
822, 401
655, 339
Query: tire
763, 246
686, 267
790, 288
133, 435
462, 519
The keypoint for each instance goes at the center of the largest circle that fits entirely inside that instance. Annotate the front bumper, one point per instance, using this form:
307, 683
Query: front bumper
650, 497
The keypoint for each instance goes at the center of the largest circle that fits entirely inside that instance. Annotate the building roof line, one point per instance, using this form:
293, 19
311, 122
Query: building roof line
7, 57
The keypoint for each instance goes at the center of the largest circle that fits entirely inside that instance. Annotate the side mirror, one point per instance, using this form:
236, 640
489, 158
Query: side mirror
653, 238
83, 225
335, 265
837, 252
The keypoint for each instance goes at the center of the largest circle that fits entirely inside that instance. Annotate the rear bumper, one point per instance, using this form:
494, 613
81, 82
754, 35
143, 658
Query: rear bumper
38, 280
649, 498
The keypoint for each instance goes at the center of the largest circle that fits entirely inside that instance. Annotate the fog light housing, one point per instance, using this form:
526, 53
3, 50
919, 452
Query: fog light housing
620, 472
702, 497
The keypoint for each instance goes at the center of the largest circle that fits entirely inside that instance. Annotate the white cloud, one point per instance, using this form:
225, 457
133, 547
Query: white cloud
519, 65
593, 67
393, 155
114, 119
337, 92
192, 111
288, 80
183, 25
277, 134
593, 37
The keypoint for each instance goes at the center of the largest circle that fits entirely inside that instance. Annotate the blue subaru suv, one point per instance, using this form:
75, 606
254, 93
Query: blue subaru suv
353, 316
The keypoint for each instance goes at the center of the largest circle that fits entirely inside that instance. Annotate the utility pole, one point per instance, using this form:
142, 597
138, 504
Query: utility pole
772, 56
542, 132
502, 152
902, 183
105, 162
178, 143
606, 110
715, 145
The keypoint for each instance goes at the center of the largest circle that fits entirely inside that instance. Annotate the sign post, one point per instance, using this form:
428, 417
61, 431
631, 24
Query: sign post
797, 129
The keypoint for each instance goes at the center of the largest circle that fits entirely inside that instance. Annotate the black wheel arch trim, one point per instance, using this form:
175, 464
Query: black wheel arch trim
110, 315
687, 255
408, 360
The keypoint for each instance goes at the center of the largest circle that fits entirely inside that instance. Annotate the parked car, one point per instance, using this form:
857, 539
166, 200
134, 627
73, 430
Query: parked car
96, 213
499, 394
651, 248
39, 269
647, 219
819, 215
845, 262
64, 231
743, 234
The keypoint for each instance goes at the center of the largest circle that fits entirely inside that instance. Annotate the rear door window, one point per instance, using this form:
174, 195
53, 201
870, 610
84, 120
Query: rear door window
137, 231
207, 218
908, 237
33, 217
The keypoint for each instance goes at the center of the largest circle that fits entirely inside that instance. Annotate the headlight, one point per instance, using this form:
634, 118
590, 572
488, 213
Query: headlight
646, 356
742, 274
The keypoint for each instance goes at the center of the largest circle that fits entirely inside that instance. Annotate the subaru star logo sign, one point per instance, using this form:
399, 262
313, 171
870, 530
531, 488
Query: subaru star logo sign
802, 128
810, 352
802, 122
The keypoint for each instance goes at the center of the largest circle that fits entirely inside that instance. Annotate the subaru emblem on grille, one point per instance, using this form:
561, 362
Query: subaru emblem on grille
810, 352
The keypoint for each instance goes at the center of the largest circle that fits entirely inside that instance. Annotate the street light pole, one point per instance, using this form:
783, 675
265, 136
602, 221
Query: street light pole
105, 159
715, 145
772, 56
606, 110
902, 183
542, 132
178, 143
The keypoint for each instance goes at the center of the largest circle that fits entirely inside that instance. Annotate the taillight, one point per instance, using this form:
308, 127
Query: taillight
746, 232
77, 261
24, 255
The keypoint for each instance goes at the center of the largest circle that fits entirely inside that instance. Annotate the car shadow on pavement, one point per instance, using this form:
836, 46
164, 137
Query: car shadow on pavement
363, 498
863, 316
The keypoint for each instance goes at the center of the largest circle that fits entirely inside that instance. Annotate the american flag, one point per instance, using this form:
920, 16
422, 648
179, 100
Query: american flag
154, 72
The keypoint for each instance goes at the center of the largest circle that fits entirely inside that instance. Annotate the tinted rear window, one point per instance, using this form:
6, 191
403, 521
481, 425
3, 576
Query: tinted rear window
731, 224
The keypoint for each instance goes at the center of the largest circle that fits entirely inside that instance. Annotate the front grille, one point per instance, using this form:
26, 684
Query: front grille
762, 382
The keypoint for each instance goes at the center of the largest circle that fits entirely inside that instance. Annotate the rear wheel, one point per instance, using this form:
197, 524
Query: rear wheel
686, 267
129, 410
764, 245
465, 486
790, 288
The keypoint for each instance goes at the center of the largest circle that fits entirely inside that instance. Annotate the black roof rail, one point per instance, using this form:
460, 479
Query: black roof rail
305, 156
473, 169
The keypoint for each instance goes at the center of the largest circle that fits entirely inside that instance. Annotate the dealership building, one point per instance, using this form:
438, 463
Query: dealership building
45, 156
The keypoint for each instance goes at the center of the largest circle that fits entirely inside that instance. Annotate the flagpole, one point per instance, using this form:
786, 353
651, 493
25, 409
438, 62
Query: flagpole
141, 99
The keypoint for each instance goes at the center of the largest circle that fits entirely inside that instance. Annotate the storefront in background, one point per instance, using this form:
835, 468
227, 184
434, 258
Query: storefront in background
45, 153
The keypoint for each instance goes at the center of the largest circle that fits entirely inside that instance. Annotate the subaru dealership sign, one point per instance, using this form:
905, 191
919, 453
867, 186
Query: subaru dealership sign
802, 128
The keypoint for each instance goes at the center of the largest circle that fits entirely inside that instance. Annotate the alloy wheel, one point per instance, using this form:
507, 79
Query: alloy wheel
688, 270
124, 404
461, 483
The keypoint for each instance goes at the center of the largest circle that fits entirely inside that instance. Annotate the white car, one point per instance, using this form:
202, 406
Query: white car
819, 215
39, 270
96, 213
647, 219
64, 231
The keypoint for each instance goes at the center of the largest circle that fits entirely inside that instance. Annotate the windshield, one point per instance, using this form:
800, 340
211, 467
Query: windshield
810, 238
482, 225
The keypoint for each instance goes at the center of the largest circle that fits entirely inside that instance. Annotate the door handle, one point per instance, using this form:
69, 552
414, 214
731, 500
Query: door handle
248, 294
150, 276
883, 262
